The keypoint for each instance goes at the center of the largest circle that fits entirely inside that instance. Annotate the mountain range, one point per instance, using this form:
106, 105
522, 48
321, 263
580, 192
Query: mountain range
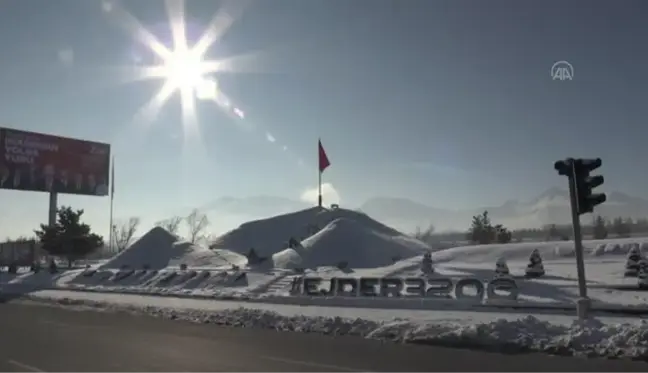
550, 207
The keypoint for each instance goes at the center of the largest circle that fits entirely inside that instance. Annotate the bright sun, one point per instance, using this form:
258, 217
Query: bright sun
182, 68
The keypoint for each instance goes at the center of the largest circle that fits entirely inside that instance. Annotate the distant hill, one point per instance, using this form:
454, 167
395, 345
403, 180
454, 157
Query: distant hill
550, 207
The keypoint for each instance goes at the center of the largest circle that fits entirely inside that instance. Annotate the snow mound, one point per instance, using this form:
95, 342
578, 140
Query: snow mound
351, 241
288, 259
548, 250
159, 249
271, 235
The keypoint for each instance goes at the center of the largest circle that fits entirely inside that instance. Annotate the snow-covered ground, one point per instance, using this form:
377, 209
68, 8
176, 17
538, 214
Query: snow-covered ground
555, 334
159, 263
223, 285
558, 287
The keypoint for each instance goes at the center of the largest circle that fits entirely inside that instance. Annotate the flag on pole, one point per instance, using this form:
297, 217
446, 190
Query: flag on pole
323, 159
323, 164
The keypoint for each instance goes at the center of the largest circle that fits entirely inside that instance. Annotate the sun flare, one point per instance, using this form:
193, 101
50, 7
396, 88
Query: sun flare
181, 68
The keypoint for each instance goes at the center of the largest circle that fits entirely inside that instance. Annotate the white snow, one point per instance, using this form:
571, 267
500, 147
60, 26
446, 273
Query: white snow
557, 288
270, 236
555, 334
327, 237
348, 240
159, 249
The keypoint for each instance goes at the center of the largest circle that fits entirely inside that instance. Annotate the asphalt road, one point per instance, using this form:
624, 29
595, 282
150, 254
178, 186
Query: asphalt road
44, 338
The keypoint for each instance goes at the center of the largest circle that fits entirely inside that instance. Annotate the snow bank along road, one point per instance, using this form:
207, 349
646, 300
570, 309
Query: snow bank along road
39, 337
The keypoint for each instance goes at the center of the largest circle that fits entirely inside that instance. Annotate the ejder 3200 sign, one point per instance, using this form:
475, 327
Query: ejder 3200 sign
442, 288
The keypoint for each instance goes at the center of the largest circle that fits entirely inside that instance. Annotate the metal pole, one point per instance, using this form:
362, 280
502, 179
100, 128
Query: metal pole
53, 202
112, 202
582, 305
319, 196
51, 219
110, 231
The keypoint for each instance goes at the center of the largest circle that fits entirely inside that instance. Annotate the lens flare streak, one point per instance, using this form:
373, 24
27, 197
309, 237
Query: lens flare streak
183, 68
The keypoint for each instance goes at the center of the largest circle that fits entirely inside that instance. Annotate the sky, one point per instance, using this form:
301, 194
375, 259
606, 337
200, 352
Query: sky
450, 103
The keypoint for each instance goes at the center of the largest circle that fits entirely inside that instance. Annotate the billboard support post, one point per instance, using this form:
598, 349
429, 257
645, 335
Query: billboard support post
53, 205
51, 219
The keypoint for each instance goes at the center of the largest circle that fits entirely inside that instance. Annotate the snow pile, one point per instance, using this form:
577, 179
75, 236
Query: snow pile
288, 258
350, 241
591, 338
159, 249
271, 235
548, 250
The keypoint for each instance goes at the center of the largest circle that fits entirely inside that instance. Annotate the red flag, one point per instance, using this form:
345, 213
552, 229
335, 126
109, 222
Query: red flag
323, 159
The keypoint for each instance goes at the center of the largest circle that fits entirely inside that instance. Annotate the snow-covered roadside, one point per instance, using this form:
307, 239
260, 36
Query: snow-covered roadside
555, 334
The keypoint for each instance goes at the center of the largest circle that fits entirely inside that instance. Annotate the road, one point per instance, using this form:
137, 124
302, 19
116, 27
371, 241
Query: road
44, 338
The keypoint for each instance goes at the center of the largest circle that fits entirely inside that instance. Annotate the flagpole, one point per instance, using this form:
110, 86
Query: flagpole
319, 183
319, 175
112, 199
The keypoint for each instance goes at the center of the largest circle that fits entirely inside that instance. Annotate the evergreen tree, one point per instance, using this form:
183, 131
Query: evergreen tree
502, 235
620, 227
642, 276
632, 262
535, 268
629, 225
600, 231
68, 237
553, 232
481, 230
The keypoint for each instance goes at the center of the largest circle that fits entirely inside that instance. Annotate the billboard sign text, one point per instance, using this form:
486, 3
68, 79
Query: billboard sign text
45, 163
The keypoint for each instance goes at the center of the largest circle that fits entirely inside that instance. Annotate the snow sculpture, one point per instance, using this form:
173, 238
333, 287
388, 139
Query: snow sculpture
644, 246
599, 250
501, 268
535, 268
632, 262
426, 264
642, 276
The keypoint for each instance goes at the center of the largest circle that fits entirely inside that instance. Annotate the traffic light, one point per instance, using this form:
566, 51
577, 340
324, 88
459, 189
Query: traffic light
564, 168
585, 183
578, 171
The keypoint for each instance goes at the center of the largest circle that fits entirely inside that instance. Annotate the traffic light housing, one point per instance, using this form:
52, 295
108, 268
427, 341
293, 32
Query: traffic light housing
578, 172
584, 184
564, 167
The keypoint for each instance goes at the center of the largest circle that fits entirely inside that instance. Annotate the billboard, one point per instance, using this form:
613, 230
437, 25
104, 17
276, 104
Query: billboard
44, 163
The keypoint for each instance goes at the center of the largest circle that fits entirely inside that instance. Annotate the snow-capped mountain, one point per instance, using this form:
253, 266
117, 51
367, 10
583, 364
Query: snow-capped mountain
550, 207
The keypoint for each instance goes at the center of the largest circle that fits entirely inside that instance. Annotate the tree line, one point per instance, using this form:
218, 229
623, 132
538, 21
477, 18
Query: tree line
72, 239
483, 231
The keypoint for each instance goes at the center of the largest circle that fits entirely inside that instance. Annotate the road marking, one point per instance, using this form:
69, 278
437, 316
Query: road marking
24, 366
313, 364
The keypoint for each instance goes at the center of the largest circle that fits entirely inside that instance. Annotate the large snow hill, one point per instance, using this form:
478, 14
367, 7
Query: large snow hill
351, 241
271, 235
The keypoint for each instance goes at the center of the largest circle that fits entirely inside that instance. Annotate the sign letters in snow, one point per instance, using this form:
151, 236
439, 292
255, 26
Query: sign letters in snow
440, 288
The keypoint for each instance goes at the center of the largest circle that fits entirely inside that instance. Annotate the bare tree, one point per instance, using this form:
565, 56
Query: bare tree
172, 224
124, 232
197, 222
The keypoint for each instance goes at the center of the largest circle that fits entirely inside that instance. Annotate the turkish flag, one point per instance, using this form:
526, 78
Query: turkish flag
323, 159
